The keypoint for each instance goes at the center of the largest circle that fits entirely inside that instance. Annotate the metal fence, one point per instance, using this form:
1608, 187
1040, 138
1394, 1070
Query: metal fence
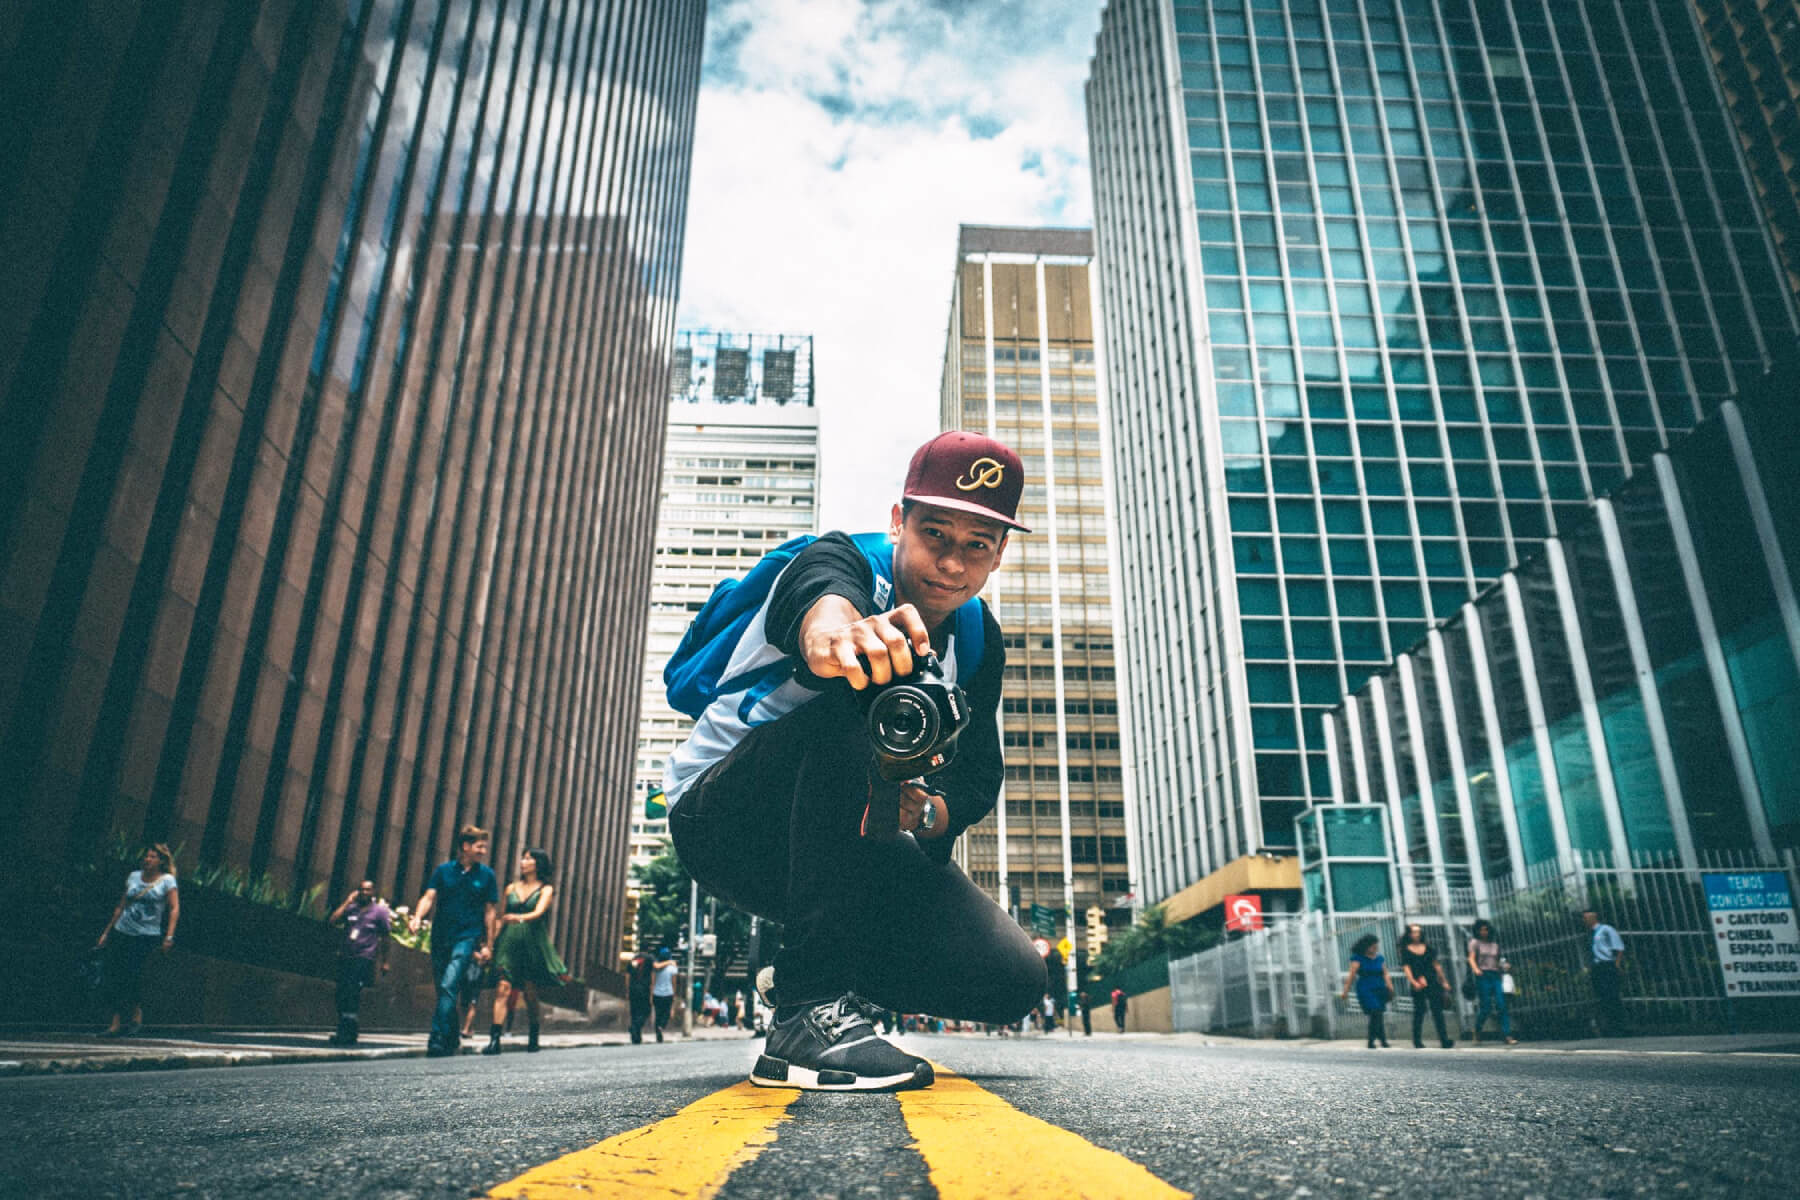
1284, 979
1671, 980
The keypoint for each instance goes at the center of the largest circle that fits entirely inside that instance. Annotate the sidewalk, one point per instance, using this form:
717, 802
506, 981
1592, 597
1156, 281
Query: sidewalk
72, 1053
1720, 1043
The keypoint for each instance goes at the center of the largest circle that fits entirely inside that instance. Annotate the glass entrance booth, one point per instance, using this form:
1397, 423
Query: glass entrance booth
1346, 859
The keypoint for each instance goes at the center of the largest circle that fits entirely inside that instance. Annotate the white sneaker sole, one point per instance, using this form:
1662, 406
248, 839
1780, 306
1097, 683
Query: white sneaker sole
777, 1073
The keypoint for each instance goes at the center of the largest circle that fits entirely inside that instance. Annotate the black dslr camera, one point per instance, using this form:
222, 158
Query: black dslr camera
914, 721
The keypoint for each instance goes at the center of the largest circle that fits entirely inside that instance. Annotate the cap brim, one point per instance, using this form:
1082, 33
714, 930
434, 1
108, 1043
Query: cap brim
968, 506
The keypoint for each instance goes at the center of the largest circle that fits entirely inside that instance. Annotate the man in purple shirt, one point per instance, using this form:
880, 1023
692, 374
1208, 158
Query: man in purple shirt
364, 952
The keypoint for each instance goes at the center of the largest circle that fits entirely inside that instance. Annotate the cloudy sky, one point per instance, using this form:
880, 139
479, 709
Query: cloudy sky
838, 145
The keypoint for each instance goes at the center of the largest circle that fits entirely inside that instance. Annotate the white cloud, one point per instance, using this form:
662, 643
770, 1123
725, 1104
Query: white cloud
838, 145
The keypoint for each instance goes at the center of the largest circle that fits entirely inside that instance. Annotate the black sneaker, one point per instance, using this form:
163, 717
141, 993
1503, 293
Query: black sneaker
833, 1047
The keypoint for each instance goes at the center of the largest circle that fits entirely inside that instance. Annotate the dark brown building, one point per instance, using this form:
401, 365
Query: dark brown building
333, 353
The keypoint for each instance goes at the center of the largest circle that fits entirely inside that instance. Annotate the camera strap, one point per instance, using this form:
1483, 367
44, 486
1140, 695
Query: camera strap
880, 820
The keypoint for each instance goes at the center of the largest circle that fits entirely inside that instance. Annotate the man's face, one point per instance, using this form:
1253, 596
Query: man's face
943, 557
1589, 919
366, 891
475, 851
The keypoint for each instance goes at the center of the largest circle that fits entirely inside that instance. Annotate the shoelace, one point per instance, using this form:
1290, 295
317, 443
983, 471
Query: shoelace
844, 1014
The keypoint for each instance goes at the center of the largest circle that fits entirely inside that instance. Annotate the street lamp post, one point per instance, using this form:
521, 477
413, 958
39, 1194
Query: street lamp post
693, 921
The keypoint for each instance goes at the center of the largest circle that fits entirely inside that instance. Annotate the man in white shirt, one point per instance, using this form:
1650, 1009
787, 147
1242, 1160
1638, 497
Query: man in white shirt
1607, 959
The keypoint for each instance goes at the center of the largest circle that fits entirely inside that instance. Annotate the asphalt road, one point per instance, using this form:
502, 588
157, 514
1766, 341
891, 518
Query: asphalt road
1258, 1119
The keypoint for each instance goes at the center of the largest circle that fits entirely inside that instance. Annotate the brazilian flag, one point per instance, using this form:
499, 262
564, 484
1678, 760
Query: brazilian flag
656, 805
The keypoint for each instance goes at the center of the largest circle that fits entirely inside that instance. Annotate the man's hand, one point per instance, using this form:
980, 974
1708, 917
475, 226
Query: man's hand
483, 954
912, 811
836, 643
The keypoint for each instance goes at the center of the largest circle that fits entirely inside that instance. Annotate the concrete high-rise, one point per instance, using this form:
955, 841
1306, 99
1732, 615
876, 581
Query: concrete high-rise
1393, 289
332, 390
1020, 365
740, 477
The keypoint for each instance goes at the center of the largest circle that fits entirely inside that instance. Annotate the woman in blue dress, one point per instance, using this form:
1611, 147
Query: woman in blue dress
1368, 975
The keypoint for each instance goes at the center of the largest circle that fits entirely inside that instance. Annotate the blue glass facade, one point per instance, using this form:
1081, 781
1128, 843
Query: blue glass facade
1642, 669
1452, 268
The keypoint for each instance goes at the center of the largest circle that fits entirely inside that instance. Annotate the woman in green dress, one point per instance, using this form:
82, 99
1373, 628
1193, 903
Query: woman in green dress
523, 955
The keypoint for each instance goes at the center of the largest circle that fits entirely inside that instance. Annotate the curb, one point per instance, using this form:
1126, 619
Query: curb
225, 1058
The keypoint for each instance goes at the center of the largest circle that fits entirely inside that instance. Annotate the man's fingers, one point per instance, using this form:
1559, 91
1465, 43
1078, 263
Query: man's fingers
849, 665
870, 644
899, 649
909, 622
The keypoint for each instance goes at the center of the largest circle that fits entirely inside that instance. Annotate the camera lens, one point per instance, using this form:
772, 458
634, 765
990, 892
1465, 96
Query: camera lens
902, 722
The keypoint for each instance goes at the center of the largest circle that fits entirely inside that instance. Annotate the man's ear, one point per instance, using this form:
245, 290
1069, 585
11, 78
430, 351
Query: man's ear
895, 521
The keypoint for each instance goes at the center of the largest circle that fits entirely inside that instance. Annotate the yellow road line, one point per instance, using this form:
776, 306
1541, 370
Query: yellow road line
688, 1155
977, 1145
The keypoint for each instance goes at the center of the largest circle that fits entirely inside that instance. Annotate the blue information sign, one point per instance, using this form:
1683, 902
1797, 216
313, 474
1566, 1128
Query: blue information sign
1755, 931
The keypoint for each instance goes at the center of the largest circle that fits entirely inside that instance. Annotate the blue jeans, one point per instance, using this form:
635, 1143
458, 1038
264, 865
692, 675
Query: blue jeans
447, 968
1493, 999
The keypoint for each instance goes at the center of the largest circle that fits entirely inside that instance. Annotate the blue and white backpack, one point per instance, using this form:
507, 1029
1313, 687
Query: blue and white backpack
701, 669
730, 678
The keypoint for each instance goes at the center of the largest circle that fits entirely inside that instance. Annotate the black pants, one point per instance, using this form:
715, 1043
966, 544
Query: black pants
354, 974
126, 954
774, 829
640, 1013
1431, 998
1377, 1026
1609, 1009
663, 1006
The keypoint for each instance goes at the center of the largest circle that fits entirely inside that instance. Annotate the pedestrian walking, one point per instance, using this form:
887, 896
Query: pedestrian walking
1606, 959
1049, 1013
1120, 1003
1425, 977
1367, 974
142, 923
1488, 967
793, 799
362, 954
662, 989
465, 897
1087, 1015
637, 990
523, 954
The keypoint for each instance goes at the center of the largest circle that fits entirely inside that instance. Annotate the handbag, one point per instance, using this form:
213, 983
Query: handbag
1469, 988
90, 972
1507, 986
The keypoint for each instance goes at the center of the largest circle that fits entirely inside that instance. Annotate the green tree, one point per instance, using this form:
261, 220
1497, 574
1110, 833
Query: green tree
662, 911
1152, 936
662, 914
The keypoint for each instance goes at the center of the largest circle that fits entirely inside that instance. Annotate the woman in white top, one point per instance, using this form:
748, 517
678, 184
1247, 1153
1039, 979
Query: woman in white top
135, 930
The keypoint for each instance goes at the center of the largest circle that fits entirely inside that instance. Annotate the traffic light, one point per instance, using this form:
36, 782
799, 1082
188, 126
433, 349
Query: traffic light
1096, 931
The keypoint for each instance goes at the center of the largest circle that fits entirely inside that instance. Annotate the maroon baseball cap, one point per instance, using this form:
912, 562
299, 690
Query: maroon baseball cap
969, 472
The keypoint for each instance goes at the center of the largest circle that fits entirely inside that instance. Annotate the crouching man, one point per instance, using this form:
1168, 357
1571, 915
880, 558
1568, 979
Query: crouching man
780, 805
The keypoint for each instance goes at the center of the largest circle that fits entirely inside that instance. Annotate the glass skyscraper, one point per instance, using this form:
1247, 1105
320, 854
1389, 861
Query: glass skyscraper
1629, 695
1393, 289
1756, 50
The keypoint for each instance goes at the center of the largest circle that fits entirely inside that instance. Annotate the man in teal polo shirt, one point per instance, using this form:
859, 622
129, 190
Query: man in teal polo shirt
466, 897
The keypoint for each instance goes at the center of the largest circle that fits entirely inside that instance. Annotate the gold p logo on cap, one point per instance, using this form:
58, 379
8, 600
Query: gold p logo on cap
983, 473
